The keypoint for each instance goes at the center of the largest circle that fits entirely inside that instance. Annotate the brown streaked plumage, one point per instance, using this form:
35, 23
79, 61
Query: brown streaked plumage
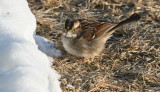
86, 38
91, 29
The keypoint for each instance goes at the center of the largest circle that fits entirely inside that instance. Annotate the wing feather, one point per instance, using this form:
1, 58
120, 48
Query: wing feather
91, 29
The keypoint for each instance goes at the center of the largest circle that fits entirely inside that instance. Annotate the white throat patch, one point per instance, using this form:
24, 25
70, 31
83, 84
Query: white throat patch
70, 34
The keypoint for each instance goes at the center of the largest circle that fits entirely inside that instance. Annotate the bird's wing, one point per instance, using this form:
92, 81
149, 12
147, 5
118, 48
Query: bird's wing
91, 29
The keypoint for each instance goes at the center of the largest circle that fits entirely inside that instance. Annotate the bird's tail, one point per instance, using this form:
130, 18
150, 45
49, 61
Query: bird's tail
132, 18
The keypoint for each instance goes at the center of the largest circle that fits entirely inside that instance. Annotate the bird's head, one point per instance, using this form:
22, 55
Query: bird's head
71, 25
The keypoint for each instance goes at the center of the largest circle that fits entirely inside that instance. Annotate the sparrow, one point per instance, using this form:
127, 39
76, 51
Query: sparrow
86, 38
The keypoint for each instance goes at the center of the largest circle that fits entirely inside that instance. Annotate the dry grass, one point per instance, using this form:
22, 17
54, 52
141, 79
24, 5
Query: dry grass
131, 59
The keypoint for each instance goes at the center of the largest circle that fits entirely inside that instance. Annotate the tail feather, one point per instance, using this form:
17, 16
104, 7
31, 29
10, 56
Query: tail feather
132, 18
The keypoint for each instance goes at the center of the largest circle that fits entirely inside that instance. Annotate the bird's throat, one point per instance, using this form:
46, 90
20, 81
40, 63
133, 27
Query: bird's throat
70, 35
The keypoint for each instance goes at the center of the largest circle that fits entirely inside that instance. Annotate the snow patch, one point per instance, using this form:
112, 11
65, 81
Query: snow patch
23, 67
47, 47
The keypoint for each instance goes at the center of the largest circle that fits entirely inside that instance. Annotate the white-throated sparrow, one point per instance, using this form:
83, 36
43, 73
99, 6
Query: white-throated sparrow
86, 38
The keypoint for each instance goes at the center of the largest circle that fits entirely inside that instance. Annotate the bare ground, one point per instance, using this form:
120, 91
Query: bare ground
131, 59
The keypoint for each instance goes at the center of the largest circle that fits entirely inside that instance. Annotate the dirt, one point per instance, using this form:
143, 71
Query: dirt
131, 59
